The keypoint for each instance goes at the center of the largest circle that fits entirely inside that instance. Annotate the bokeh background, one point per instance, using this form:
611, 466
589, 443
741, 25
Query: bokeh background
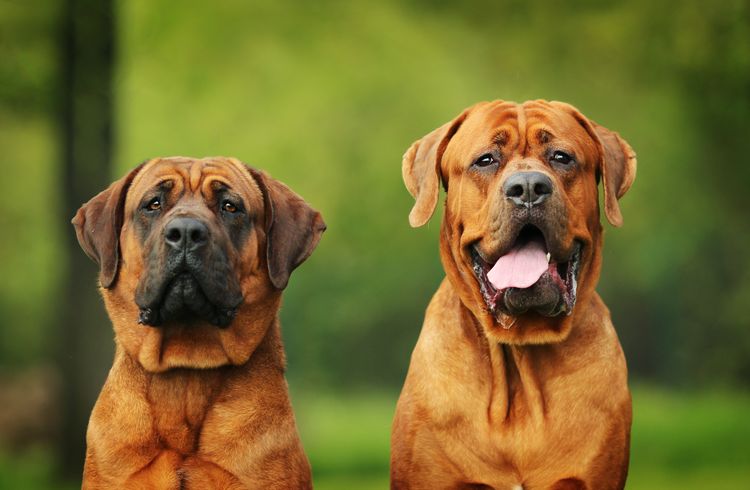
326, 96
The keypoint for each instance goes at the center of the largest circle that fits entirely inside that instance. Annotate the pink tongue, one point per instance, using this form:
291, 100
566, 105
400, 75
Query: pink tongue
521, 267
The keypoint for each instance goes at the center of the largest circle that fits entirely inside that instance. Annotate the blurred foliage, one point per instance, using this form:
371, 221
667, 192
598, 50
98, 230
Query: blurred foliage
30, 236
327, 95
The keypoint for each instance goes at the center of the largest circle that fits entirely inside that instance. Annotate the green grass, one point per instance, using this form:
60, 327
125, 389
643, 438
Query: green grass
347, 439
686, 441
680, 441
33, 469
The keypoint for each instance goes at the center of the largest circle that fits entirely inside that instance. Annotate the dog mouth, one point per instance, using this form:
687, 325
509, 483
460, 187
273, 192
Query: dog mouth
528, 278
182, 300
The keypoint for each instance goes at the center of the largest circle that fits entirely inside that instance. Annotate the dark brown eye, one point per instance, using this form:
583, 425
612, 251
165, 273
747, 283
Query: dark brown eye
228, 207
485, 160
562, 158
154, 204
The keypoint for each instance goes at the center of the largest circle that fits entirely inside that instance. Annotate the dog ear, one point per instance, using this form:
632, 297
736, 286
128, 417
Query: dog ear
420, 168
618, 167
98, 224
617, 164
293, 228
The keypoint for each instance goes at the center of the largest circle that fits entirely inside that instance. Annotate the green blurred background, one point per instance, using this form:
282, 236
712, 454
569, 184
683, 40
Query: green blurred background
326, 96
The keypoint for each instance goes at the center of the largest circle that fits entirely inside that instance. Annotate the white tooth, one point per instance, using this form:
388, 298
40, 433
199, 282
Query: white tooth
548, 257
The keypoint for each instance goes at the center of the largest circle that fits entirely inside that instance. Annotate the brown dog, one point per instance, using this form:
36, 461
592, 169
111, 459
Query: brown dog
518, 380
194, 255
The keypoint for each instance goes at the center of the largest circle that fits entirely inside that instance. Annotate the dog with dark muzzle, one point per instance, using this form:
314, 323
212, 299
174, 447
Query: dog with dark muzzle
194, 255
518, 380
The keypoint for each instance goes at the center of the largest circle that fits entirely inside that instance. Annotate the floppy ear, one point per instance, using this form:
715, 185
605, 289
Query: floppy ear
98, 224
617, 164
293, 228
618, 169
420, 168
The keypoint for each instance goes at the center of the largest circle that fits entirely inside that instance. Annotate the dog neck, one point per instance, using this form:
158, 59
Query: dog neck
179, 399
519, 375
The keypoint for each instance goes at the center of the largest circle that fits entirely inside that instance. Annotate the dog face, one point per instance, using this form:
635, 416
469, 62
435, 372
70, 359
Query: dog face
194, 255
191, 235
521, 235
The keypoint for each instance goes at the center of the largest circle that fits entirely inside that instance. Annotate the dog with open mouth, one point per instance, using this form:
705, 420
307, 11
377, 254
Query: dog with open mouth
194, 255
518, 380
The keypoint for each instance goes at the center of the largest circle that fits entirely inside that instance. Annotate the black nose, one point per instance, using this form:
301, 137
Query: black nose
186, 233
528, 188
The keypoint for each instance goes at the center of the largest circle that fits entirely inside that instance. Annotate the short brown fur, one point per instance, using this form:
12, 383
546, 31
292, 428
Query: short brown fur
543, 404
197, 407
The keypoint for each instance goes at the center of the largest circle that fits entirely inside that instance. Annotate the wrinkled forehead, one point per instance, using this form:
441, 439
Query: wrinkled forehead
517, 127
199, 177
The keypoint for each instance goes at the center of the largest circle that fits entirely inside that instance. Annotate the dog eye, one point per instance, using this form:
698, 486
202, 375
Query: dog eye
229, 207
154, 204
485, 160
562, 158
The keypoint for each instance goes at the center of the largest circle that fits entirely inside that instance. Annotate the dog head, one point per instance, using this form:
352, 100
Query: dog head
521, 236
193, 257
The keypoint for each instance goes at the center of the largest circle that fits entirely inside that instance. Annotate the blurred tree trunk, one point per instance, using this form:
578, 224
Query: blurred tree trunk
86, 114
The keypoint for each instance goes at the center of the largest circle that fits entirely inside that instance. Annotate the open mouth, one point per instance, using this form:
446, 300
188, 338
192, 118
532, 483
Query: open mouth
182, 300
527, 277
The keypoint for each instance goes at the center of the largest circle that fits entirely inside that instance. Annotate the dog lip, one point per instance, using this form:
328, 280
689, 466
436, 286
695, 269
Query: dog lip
165, 285
495, 300
477, 253
491, 296
151, 314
